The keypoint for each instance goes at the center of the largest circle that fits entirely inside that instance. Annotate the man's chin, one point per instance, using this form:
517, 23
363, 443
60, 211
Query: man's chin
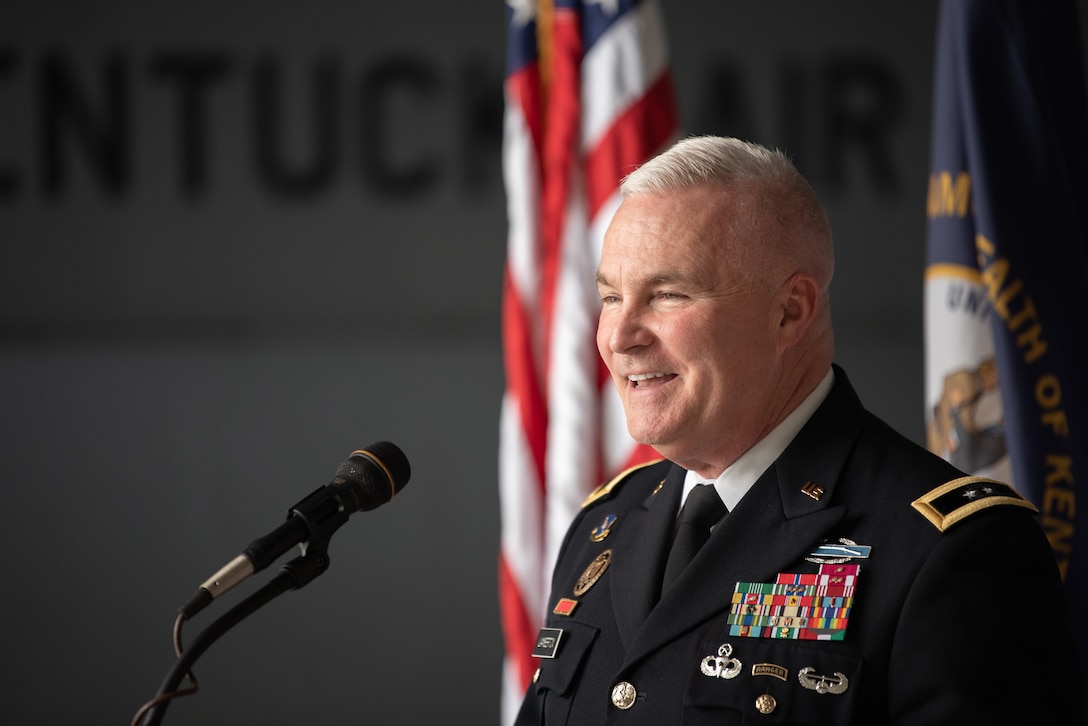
646, 436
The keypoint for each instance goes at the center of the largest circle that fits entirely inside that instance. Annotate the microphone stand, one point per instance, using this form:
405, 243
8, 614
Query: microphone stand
294, 575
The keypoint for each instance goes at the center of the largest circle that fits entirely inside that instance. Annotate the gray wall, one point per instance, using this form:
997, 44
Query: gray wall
196, 330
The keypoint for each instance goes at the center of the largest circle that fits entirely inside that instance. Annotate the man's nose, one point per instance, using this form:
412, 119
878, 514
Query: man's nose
626, 328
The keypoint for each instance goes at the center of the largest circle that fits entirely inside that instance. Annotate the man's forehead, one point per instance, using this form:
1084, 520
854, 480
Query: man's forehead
650, 271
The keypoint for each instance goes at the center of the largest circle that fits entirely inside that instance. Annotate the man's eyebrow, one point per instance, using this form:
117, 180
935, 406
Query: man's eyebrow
662, 278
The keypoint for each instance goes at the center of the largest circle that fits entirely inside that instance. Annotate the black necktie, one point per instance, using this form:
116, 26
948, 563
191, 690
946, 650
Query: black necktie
702, 510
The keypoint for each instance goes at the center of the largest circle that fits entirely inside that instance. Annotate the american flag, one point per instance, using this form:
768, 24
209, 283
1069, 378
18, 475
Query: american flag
589, 96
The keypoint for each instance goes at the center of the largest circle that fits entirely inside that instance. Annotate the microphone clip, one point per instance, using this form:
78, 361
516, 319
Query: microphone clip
322, 514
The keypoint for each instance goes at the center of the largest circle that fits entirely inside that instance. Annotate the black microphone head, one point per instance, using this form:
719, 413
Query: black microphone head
373, 475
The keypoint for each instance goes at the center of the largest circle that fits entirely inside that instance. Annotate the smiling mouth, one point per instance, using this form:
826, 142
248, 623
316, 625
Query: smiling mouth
643, 380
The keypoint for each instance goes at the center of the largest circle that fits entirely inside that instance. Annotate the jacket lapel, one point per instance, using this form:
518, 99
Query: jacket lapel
636, 576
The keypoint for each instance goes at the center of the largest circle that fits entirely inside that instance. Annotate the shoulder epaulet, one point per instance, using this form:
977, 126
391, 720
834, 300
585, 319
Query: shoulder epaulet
958, 499
607, 487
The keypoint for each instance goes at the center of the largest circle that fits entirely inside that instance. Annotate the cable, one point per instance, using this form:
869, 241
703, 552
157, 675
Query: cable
174, 694
155, 709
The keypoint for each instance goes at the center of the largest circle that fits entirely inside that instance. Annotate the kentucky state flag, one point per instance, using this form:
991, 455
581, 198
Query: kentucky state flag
1006, 283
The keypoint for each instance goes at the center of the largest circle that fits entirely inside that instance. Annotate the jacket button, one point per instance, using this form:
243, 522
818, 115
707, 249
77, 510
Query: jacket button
766, 704
623, 695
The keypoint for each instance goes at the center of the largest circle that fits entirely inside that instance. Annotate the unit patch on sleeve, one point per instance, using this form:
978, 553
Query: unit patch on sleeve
960, 498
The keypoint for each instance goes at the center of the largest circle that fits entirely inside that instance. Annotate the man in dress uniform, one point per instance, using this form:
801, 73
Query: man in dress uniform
792, 560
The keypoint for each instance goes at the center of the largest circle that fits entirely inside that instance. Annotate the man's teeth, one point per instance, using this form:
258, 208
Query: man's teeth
645, 376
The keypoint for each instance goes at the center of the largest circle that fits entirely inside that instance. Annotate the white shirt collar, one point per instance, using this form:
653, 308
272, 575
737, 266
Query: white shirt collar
733, 483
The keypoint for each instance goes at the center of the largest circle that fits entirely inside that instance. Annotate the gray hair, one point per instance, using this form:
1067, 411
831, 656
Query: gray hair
785, 209
710, 160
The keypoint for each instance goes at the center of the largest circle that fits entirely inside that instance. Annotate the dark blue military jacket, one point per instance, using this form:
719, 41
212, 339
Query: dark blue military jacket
957, 616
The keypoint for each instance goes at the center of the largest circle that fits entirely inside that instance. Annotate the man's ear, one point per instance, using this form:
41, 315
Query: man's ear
799, 303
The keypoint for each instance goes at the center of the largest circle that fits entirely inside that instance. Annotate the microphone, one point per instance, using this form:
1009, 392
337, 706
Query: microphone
368, 479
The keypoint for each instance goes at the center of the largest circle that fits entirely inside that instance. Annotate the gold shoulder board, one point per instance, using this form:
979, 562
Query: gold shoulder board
607, 487
960, 498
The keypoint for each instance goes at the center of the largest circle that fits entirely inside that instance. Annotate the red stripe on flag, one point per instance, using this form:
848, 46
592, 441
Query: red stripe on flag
523, 90
521, 375
557, 163
516, 626
639, 133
